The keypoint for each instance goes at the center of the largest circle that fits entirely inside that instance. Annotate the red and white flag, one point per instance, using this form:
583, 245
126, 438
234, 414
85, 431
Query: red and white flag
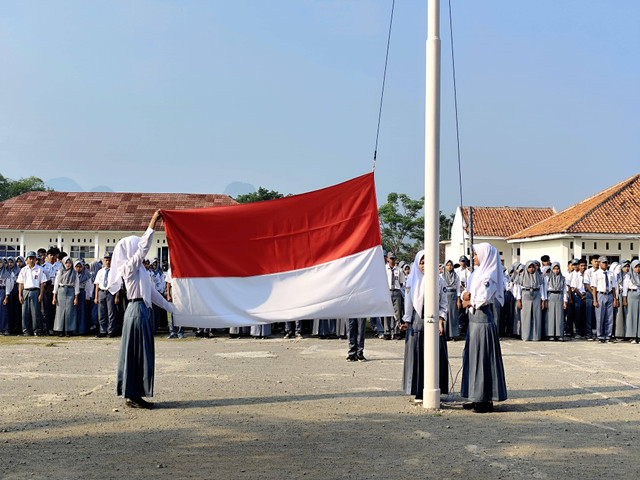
315, 255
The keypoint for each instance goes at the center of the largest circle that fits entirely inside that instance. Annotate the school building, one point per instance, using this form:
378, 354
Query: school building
607, 223
88, 224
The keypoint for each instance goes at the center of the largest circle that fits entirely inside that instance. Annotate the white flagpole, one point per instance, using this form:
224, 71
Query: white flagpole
431, 397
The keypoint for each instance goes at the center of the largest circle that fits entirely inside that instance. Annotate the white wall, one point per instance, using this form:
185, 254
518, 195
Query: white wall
33, 240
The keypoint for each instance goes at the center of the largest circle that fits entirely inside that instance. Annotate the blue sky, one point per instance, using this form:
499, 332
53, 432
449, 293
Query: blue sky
190, 96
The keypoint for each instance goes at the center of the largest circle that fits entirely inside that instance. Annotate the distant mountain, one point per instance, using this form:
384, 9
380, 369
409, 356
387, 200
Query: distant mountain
238, 188
64, 184
101, 188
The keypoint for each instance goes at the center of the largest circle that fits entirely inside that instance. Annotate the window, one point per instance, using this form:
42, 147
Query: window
595, 245
583, 245
606, 246
9, 250
518, 250
78, 251
619, 245
631, 247
570, 244
109, 249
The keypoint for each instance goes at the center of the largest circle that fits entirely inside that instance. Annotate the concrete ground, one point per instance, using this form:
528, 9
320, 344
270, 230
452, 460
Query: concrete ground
274, 409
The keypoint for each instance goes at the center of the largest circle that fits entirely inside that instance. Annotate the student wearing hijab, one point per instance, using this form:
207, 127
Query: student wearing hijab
15, 319
66, 289
86, 287
94, 268
7, 279
530, 299
136, 361
483, 380
515, 311
631, 298
413, 324
619, 312
508, 300
452, 286
556, 287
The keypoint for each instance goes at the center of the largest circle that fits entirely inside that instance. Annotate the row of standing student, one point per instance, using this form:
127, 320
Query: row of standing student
542, 302
48, 293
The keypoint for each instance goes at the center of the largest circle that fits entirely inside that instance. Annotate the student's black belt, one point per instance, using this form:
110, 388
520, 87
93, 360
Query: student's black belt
555, 291
137, 300
31, 289
607, 293
452, 289
530, 289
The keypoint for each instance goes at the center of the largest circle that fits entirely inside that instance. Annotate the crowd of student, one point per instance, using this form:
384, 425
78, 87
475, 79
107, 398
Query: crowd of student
542, 302
48, 293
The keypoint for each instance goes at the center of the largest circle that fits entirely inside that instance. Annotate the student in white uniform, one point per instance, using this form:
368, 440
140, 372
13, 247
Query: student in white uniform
31, 282
136, 362
631, 299
604, 287
105, 300
7, 279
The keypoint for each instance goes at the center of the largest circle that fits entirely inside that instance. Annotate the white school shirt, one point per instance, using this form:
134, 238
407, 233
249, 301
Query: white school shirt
100, 278
133, 268
628, 286
576, 281
32, 277
395, 277
57, 284
463, 275
488, 290
443, 304
48, 270
588, 274
598, 280
8, 283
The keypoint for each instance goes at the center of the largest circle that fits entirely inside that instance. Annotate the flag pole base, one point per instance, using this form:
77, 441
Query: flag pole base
431, 399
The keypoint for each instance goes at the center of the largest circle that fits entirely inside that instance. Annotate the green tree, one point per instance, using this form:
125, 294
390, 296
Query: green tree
401, 225
402, 228
12, 188
446, 223
259, 196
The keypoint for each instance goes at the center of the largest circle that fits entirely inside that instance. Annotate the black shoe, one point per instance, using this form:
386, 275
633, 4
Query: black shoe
101, 335
138, 403
483, 407
361, 358
469, 405
352, 358
112, 335
387, 337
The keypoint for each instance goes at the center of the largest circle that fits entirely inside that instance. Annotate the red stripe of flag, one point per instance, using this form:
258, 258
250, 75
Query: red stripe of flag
274, 236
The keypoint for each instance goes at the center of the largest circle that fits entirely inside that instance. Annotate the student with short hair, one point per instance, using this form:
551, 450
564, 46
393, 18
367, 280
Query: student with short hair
31, 281
105, 300
631, 298
604, 287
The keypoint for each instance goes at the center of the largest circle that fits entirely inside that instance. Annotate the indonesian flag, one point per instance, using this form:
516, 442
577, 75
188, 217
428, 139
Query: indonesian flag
315, 255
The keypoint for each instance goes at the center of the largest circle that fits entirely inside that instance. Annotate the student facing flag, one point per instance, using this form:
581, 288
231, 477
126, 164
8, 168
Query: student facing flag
315, 255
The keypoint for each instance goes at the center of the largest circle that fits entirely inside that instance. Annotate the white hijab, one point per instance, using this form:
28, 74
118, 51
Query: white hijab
490, 269
415, 283
124, 251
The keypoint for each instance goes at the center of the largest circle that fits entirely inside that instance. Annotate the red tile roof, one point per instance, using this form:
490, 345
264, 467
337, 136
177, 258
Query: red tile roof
503, 221
96, 211
615, 210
